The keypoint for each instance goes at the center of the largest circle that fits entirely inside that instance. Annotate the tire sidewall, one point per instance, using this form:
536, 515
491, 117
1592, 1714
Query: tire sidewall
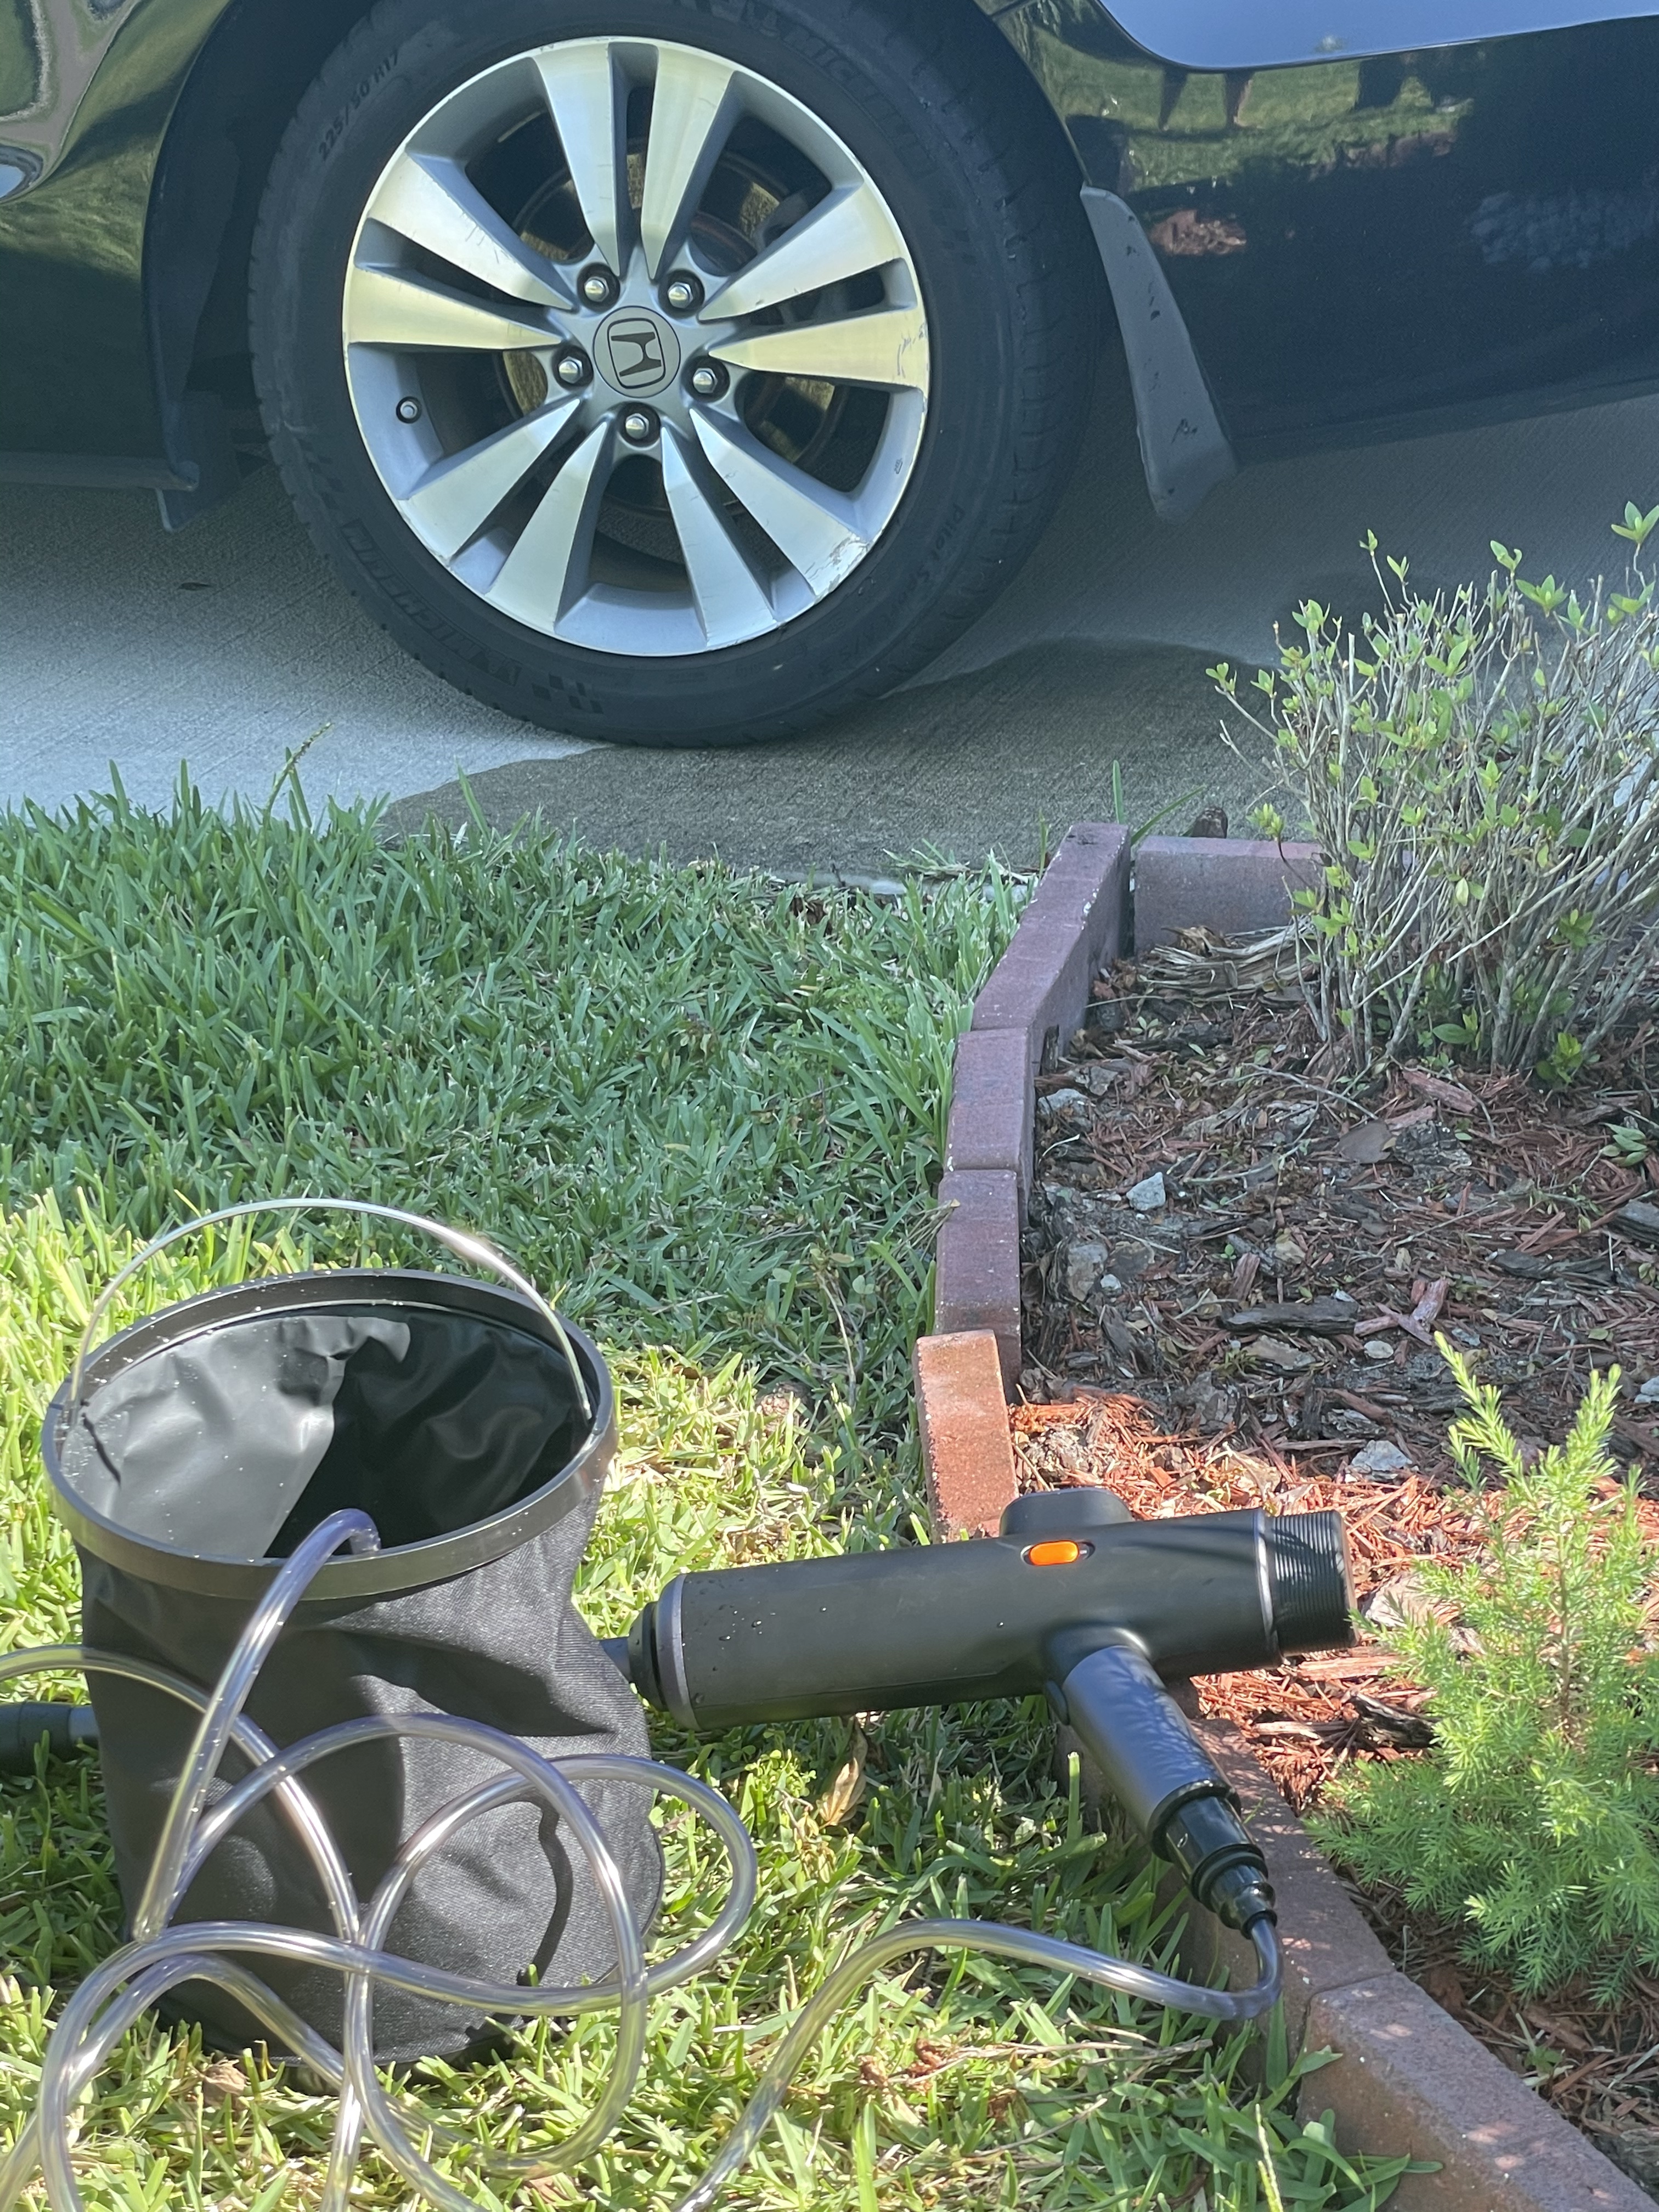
920, 150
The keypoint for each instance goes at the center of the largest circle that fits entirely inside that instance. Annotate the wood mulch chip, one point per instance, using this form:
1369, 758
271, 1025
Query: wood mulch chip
1259, 1330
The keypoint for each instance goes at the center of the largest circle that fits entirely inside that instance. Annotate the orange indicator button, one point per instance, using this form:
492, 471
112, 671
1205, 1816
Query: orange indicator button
1060, 1551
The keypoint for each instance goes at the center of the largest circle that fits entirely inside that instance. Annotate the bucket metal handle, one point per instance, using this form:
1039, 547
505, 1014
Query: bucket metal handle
461, 1241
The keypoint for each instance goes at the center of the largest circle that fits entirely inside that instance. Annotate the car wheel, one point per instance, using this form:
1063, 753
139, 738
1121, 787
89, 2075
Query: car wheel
668, 374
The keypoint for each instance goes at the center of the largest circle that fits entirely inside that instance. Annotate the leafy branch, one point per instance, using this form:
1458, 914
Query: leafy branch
1481, 773
1535, 1818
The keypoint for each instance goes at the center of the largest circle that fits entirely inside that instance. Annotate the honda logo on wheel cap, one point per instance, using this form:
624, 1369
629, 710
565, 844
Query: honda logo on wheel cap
637, 352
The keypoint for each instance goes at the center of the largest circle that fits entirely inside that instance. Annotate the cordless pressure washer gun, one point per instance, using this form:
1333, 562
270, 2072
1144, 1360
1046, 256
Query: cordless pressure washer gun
1072, 1599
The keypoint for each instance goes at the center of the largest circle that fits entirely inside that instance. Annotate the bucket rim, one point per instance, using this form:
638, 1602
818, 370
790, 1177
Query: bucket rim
398, 1568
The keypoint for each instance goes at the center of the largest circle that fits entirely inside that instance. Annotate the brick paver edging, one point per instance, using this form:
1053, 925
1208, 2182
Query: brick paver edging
1409, 2078
1076, 924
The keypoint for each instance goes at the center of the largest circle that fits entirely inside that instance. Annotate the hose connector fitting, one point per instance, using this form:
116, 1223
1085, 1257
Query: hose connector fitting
1224, 1869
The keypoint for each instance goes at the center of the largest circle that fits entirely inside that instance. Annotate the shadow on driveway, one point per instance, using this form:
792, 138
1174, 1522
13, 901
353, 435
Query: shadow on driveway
971, 765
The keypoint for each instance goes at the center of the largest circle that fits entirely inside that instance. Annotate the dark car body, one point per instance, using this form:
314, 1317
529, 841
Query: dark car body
1320, 222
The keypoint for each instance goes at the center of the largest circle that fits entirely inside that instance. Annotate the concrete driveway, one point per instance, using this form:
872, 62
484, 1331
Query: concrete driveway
231, 643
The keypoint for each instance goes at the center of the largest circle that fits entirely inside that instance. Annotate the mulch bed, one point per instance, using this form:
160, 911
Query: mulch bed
1265, 1336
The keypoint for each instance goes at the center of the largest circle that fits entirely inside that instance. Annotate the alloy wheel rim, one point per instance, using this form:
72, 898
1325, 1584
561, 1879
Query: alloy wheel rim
636, 347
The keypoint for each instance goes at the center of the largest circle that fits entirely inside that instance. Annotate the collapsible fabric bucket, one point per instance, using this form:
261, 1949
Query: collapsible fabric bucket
196, 1448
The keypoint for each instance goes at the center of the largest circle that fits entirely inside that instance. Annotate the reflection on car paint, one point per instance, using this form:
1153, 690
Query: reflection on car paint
50, 52
1379, 239
1220, 35
1568, 230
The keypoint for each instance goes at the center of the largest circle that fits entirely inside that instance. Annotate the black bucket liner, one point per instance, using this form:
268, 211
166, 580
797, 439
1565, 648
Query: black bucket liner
208, 1440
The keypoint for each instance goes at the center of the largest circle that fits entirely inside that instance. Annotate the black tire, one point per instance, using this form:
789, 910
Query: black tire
941, 114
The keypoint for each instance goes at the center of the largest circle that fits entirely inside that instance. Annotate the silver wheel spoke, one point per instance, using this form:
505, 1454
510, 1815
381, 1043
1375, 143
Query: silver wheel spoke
814, 528
434, 203
588, 95
454, 501
842, 236
546, 572
384, 308
693, 108
732, 601
889, 346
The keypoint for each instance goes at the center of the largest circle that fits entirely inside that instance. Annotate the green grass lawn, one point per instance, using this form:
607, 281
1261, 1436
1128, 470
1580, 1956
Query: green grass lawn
706, 1113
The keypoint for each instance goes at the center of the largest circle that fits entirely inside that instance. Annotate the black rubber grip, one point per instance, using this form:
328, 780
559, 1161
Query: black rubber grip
1138, 1737
1166, 1780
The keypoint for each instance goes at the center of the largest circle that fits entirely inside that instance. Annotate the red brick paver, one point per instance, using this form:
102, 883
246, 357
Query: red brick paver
965, 1445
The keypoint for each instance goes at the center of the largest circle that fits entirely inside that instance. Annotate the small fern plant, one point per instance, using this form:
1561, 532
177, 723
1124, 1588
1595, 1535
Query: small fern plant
1534, 1816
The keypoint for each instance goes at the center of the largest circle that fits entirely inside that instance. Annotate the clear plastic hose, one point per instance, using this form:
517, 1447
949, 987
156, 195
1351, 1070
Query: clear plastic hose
159, 1956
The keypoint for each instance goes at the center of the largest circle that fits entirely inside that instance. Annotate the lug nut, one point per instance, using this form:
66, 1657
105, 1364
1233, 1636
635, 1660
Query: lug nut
682, 294
597, 287
572, 368
639, 426
408, 410
709, 379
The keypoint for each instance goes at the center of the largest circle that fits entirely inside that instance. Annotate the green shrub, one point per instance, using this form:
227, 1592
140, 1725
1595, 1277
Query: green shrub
1535, 1818
1481, 773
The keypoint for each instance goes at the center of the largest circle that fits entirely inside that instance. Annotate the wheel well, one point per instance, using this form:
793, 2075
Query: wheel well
223, 136
238, 100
